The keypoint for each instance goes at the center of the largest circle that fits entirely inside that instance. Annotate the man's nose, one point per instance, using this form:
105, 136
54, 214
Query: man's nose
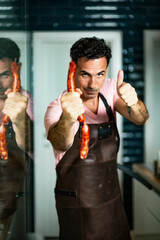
92, 81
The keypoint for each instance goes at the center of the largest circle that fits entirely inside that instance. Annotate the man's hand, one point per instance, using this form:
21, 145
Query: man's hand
72, 106
128, 105
15, 107
125, 91
61, 134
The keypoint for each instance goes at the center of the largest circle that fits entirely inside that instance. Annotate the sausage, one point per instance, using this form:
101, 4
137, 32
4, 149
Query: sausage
16, 77
84, 141
84, 144
3, 142
5, 120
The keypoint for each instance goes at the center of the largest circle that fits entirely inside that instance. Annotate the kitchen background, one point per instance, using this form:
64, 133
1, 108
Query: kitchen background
45, 30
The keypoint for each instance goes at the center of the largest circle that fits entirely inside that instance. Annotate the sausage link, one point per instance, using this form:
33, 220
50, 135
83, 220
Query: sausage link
84, 143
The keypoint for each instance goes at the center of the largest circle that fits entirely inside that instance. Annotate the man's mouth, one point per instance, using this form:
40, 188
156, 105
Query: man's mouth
90, 91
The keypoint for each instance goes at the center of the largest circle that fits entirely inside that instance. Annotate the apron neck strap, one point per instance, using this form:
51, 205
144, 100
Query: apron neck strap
108, 108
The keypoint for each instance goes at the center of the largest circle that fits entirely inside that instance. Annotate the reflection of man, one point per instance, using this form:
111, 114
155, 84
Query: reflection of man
18, 106
88, 198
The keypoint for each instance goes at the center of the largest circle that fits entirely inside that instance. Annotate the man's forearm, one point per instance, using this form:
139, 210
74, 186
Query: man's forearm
61, 135
138, 113
24, 134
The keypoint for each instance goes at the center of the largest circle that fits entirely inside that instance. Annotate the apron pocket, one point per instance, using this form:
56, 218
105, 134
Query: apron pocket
66, 198
66, 193
105, 131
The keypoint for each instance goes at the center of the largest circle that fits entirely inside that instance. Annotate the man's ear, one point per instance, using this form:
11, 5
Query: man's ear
19, 65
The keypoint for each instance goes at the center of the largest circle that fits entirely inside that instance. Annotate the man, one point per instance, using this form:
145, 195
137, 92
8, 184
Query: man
88, 198
19, 107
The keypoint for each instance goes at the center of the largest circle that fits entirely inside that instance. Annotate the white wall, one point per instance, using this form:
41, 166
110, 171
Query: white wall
51, 62
146, 203
152, 93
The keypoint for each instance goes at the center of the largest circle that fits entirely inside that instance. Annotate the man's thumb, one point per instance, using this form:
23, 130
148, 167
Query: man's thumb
8, 91
119, 79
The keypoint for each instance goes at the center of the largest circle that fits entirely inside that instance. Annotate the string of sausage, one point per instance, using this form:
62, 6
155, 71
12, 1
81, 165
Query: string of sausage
5, 120
84, 141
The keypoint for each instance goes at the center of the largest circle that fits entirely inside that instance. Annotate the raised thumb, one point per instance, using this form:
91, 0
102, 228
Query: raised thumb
119, 79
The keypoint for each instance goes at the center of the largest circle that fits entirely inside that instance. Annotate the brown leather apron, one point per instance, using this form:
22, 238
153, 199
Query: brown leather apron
88, 198
12, 174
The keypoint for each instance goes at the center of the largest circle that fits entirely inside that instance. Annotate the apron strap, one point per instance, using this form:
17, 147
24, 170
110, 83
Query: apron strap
108, 108
10, 132
126, 170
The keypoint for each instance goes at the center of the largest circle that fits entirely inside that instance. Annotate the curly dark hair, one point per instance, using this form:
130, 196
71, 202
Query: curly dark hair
9, 49
91, 48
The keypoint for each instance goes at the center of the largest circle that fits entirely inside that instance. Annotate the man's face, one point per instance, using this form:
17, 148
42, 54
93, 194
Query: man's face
5, 76
90, 76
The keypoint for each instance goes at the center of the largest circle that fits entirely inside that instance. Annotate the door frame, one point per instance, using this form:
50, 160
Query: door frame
41, 39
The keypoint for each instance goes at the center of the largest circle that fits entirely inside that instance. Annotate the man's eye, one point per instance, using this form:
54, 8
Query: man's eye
100, 74
85, 75
5, 75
